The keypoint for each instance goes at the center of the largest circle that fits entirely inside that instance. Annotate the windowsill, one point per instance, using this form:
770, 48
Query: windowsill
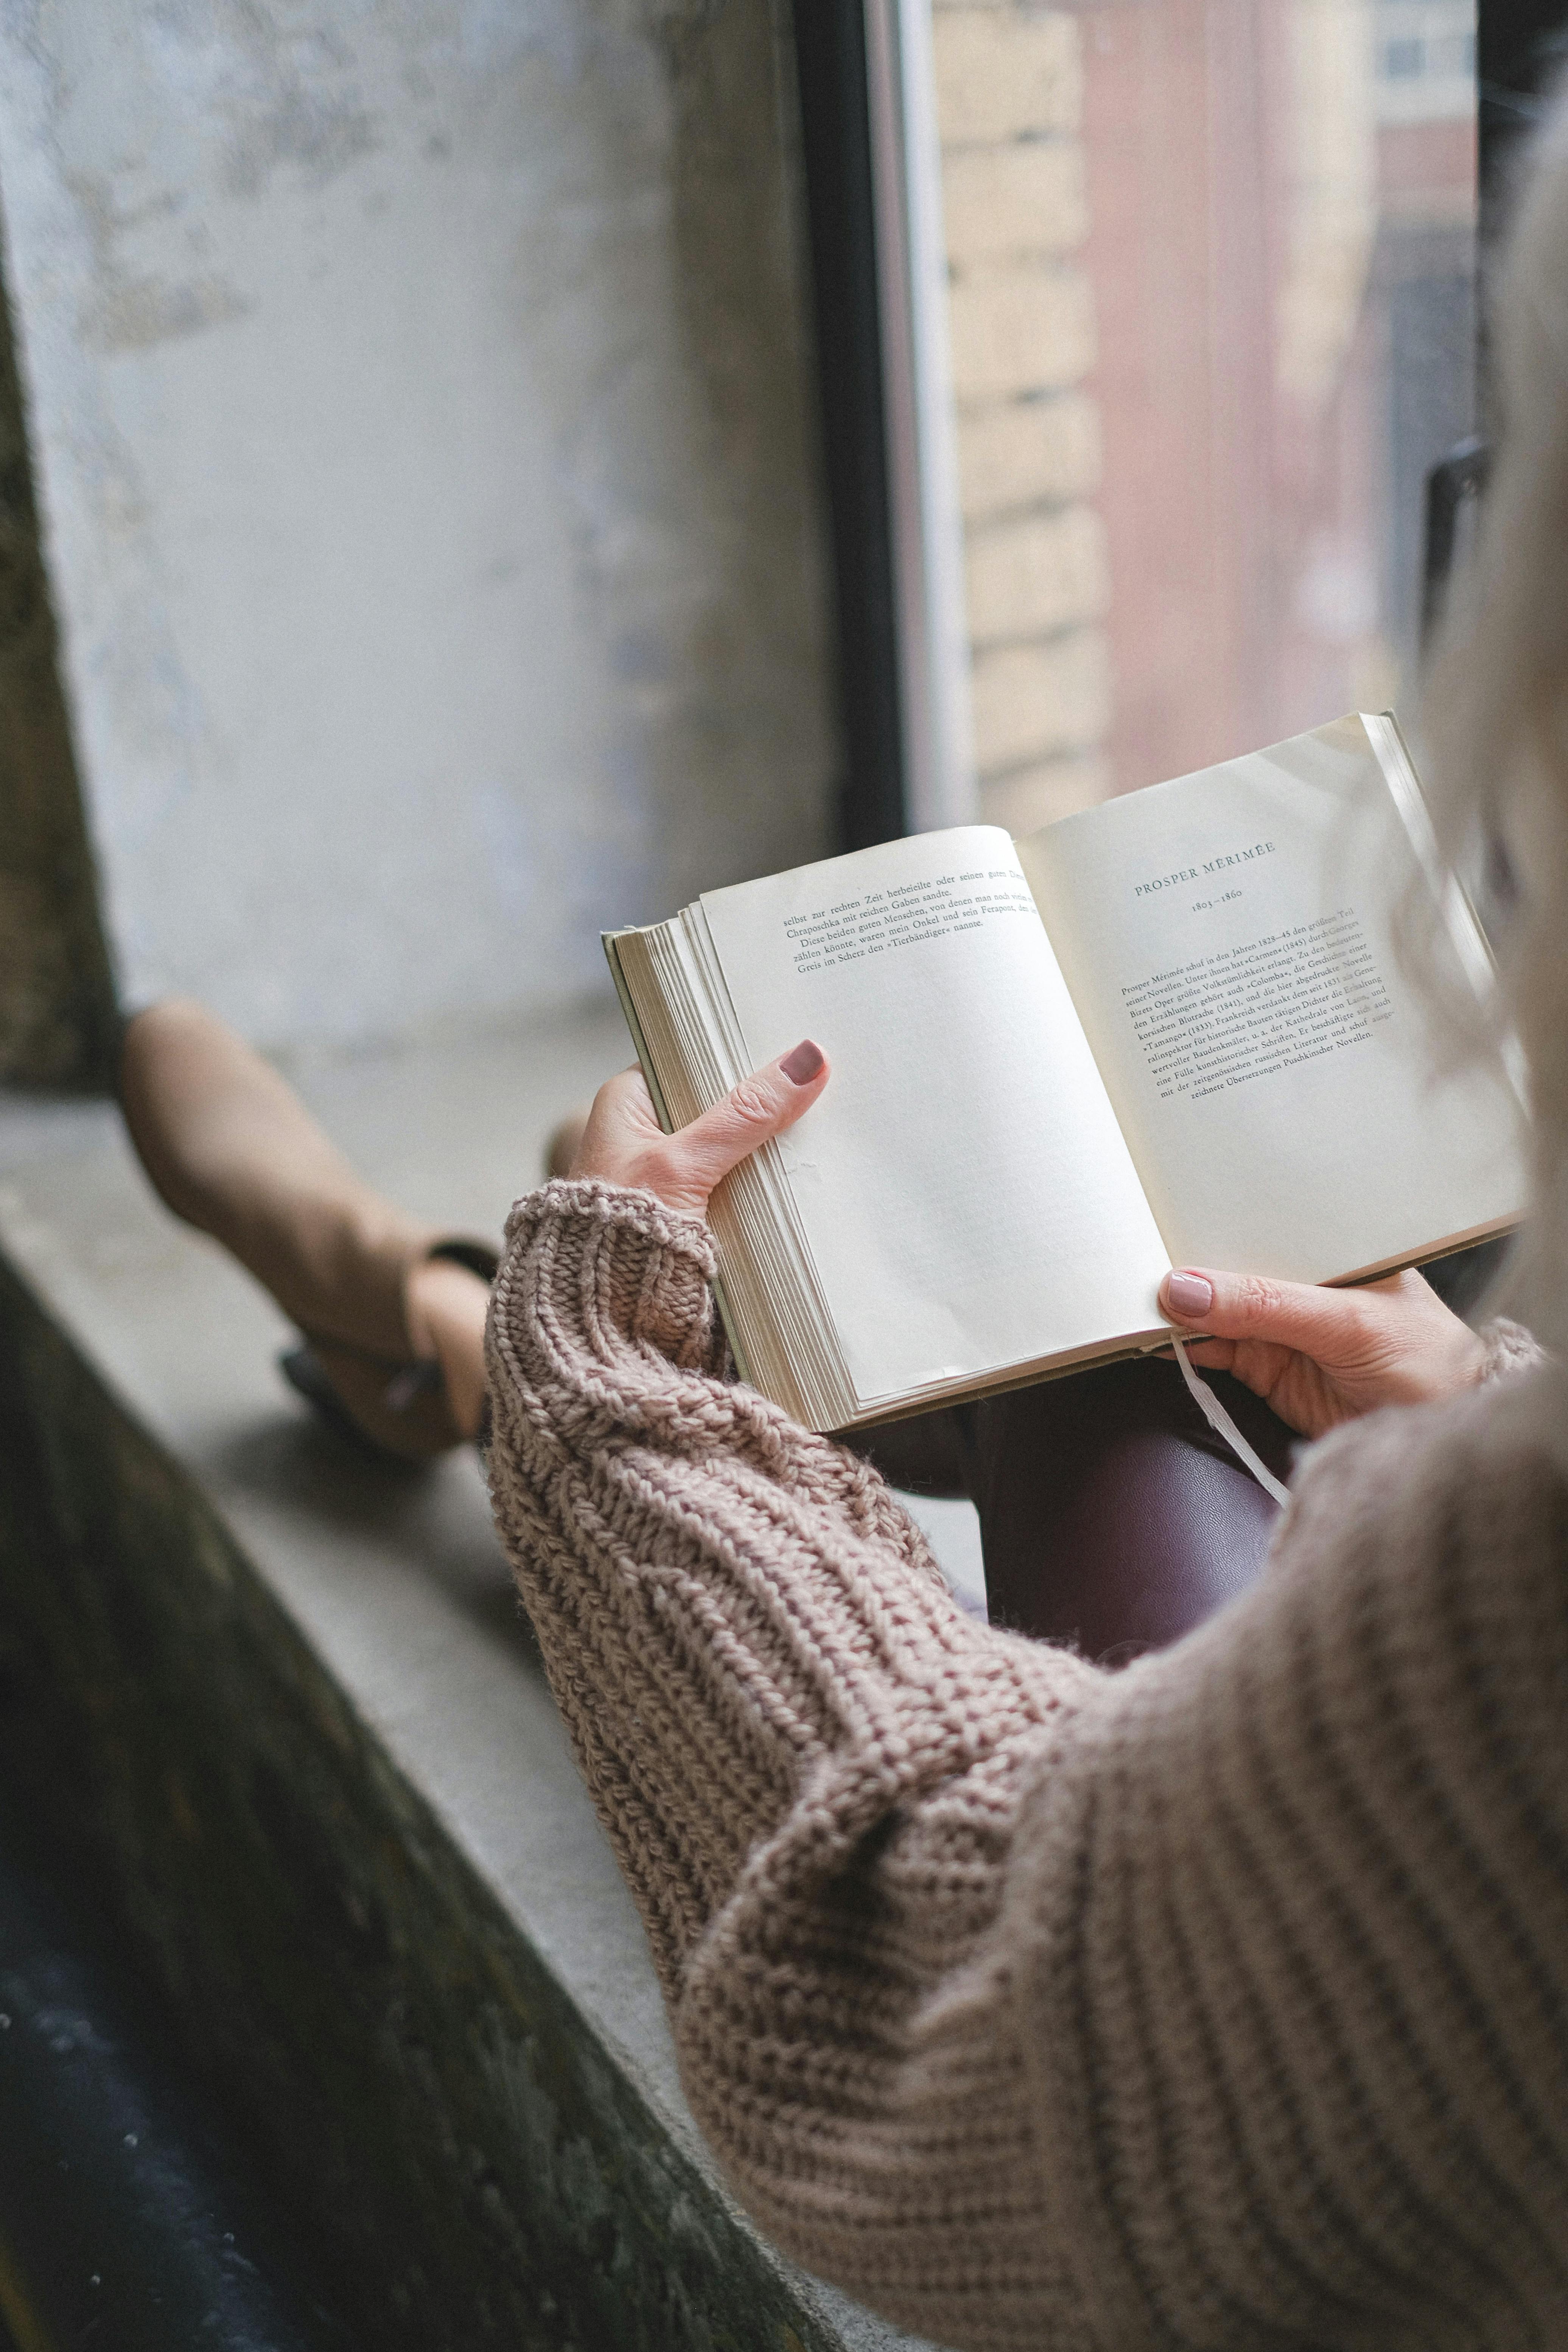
395, 1583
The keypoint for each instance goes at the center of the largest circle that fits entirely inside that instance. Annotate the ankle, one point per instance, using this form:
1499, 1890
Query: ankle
446, 1306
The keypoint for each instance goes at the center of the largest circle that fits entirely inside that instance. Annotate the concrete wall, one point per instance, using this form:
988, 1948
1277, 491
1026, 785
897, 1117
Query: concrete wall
422, 414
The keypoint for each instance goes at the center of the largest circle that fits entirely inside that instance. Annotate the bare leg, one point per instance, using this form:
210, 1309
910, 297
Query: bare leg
447, 1306
393, 1310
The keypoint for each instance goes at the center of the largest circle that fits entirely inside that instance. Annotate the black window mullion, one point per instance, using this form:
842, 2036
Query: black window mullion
830, 55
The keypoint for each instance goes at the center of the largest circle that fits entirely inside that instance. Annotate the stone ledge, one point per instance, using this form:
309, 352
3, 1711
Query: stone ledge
284, 1696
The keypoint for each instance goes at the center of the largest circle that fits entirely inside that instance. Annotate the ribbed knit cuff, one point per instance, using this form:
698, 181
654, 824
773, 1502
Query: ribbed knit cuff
1510, 1349
617, 1266
616, 1205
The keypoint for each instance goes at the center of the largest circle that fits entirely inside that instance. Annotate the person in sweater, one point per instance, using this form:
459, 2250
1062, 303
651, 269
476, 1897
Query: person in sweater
1220, 2001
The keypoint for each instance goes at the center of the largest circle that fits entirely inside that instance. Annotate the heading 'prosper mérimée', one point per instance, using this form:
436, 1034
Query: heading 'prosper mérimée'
1209, 866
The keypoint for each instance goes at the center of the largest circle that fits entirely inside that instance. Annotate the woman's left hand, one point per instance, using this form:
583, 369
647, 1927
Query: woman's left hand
622, 1142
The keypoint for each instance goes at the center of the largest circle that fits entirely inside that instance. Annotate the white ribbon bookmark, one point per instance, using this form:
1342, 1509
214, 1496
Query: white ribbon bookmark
1220, 1421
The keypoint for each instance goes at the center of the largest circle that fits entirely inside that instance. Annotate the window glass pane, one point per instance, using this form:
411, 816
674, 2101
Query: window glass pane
1210, 305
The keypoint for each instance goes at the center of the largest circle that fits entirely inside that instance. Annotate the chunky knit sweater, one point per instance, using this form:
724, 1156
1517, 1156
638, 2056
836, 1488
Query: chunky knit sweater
1220, 2002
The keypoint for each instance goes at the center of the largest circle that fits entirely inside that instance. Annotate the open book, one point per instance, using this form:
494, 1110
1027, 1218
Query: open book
1173, 1030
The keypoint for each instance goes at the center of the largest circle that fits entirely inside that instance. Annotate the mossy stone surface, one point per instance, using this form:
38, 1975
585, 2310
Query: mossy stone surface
57, 994
425, 2097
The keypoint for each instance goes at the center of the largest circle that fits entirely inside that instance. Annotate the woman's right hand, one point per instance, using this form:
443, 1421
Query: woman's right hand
1318, 1357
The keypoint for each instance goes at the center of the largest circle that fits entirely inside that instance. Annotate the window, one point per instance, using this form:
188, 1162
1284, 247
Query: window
1206, 275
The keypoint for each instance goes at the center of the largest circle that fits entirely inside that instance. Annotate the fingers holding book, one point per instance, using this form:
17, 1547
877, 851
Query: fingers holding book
622, 1142
1320, 1356
1317, 1355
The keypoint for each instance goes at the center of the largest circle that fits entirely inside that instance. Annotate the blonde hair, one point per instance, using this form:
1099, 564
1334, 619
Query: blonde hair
1496, 705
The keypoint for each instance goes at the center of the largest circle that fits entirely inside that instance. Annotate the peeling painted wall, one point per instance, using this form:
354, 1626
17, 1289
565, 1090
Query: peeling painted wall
422, 411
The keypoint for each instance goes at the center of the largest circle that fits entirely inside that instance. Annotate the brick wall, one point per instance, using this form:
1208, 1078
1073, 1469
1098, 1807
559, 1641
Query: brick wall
1009, 85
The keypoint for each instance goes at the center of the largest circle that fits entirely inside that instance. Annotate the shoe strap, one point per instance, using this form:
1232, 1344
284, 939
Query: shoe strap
477, 1256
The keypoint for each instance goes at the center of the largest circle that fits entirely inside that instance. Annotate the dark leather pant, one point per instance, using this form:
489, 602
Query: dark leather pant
1111, 1513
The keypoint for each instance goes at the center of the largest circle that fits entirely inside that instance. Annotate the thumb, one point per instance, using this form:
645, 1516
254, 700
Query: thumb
760, 1108
1320, 1323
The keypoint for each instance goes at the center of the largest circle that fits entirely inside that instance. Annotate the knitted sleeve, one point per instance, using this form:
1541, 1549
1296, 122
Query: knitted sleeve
1510, 1349
1220, 2002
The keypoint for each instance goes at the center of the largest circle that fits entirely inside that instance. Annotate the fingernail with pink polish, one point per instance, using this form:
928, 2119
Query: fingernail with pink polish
801, 1067
1189, 1296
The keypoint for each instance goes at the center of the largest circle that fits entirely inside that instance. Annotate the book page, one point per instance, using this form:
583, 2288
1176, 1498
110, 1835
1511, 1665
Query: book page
963, 1187
1228, 939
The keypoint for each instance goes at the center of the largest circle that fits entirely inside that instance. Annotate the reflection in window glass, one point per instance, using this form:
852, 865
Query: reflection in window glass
1210, 301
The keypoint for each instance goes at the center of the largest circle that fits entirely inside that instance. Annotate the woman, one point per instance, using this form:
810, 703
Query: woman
1221, 2001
